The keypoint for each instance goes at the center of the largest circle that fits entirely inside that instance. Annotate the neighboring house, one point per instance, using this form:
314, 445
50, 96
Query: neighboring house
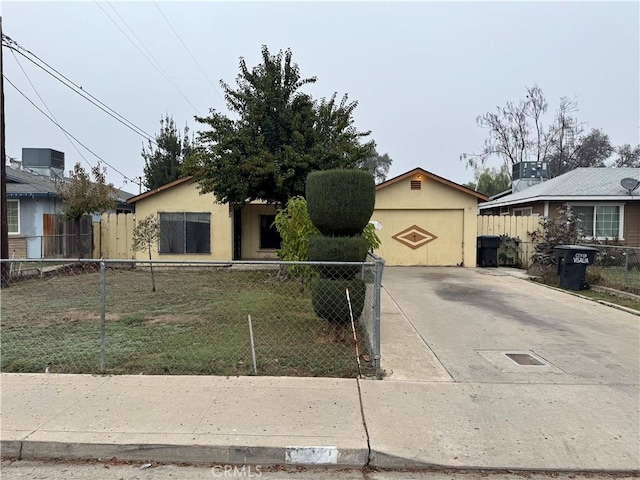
606, 209
33, 206
427, 220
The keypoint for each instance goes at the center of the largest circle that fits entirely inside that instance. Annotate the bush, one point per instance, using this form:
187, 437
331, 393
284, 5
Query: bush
560, 230
329, 299
340, 202
338, 249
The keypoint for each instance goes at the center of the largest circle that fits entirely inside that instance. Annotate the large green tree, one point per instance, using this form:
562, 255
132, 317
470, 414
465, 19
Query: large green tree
490, 181
163, 162
275, 137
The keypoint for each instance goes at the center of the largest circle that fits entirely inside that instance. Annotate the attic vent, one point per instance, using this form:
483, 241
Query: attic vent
416, 184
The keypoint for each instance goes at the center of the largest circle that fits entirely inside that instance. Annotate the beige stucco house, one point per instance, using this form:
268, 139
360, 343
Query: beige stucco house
197, 227
425, 219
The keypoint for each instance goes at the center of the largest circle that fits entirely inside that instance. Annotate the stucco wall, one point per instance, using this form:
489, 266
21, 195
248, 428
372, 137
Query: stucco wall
251, 232
186, 198
453, 215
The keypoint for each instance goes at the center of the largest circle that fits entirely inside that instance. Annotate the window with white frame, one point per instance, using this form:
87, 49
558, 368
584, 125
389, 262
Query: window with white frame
185, 232
523, 212
599, 221
13, 216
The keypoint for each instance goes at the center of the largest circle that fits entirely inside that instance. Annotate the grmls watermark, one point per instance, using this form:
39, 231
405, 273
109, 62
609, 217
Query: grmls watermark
236, 471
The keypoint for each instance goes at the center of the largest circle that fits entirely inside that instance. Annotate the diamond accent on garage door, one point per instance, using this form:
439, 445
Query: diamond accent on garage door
414, 237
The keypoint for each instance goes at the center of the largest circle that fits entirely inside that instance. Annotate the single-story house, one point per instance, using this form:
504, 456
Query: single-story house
198, 227
34, 208
426, 220
607, 209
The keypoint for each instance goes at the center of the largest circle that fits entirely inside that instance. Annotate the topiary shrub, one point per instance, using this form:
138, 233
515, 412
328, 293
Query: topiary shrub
338, 249
340, 202
329, 299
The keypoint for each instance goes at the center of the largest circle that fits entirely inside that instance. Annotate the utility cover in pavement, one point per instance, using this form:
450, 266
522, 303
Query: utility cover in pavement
523, 359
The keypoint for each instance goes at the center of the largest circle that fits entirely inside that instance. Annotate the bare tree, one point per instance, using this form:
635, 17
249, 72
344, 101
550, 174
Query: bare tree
517, 132
146, 235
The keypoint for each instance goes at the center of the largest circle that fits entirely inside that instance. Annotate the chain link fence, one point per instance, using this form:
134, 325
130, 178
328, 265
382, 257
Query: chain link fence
209, 318
616, 267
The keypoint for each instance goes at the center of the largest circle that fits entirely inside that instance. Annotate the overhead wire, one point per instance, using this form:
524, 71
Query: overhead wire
68, 133
187, 49
47, 107
74, 87
155, 65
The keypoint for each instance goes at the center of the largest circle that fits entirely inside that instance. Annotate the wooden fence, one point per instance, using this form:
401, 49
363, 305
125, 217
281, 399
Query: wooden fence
518, 227
113, 236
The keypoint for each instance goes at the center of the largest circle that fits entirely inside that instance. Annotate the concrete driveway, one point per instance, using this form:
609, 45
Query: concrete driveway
471, 318
452, 396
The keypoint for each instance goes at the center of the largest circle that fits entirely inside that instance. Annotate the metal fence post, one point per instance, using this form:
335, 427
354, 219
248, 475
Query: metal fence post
103, 301
376, 316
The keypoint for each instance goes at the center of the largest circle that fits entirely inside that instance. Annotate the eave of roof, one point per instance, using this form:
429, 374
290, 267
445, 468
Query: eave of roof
432, 176
561, 198
164, 187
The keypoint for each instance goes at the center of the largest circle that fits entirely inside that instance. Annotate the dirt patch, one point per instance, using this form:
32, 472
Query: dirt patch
69, 316
173, 319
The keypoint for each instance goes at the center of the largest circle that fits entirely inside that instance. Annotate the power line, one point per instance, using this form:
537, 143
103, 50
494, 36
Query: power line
13, 45
187, 49
47, 107
68, 133
155, 65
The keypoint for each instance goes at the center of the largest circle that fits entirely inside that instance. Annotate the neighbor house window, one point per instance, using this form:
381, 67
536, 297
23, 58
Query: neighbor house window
185, 232
599, 221
13, 216
523, 212
269, 237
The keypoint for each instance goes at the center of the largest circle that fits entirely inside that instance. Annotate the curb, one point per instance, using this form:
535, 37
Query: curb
189, 454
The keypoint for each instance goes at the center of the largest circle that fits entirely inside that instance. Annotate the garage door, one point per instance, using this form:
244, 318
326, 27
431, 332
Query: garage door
421, 237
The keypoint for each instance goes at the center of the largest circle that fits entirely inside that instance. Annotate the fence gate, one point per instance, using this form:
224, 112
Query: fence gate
66, 238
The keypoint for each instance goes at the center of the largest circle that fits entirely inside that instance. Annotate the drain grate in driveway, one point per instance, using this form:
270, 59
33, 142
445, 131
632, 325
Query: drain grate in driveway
524, 359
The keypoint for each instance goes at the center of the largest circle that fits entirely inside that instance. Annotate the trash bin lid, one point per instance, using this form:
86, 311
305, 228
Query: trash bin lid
582, 248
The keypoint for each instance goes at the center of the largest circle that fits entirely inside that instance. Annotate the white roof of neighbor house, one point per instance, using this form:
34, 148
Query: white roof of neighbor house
591, 184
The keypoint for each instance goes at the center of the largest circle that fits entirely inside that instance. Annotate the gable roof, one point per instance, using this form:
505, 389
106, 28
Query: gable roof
432, 176
162, 188
591, 184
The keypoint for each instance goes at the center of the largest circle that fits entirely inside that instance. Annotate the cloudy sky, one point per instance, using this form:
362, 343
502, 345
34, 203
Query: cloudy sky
421, 71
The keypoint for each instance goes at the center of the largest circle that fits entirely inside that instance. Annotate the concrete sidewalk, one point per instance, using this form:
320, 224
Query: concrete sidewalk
420, 415
298, 421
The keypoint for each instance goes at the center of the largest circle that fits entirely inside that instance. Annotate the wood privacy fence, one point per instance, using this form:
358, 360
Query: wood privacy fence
518, 227
113, 236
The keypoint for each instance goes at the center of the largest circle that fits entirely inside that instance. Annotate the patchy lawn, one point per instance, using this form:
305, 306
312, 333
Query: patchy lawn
195, 323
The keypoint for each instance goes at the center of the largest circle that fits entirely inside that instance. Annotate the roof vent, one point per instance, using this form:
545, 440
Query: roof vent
416, 185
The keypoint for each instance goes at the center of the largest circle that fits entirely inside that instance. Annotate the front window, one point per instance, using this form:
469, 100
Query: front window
269, 237
599, 221
13, 216
523, 212
184, 232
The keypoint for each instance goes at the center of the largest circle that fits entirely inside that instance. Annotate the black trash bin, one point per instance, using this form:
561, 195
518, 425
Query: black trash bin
487, 252
572, 263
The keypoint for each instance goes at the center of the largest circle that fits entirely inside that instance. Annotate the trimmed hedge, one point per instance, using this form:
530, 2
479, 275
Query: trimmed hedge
338, 249
329, 299
340, 202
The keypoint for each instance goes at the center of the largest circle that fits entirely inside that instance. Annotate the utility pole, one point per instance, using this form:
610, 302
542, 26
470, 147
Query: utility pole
4, 227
